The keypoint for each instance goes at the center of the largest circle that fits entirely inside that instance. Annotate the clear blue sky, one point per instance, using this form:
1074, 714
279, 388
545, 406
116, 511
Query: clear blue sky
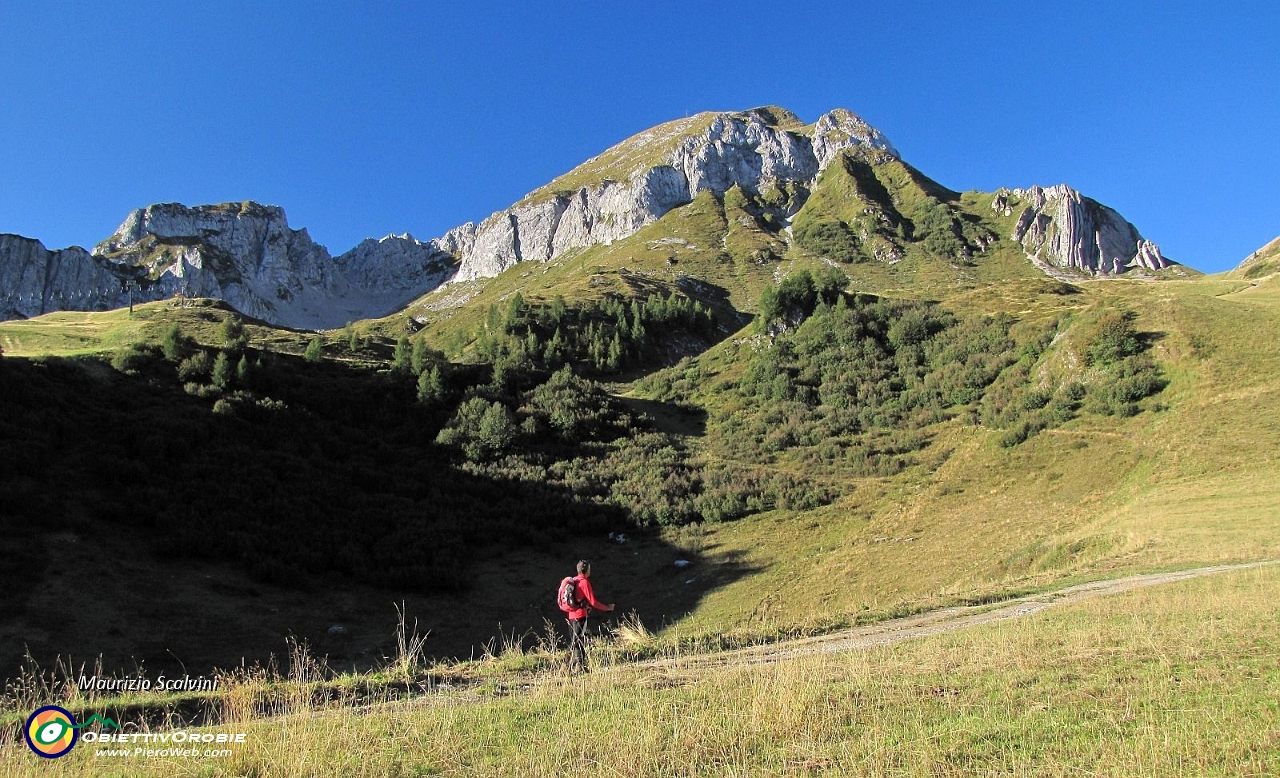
362, 121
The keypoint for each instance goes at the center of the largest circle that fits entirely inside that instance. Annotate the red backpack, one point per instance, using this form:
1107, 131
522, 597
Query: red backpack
567, 597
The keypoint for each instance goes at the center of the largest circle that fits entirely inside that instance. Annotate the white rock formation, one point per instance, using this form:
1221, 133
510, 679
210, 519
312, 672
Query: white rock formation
243, 253
1061, 229
35, 280
395, 264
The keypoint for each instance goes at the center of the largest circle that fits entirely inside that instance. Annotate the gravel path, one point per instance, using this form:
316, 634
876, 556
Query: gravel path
944, 620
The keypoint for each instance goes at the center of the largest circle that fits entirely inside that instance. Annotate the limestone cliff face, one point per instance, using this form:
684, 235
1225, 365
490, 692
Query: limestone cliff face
745, 149
1060, 229
395, 265
35, 280
244, 253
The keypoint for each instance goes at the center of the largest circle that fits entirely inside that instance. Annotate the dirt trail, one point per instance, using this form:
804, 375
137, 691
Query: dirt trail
936, 622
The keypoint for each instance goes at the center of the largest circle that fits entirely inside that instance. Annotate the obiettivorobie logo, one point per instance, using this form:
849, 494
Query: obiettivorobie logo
52, 731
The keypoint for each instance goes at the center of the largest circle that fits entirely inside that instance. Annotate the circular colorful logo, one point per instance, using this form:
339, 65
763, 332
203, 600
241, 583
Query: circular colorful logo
51, 731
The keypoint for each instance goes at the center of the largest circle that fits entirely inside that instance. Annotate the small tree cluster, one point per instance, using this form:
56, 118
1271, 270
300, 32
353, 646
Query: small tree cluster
937, 227
480, 428
605, 336
232, 335
1113, 339
315, 349
830, 239
352, 338
799, 294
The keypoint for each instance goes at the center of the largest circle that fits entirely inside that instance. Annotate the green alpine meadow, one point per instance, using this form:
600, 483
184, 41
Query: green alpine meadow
883, 478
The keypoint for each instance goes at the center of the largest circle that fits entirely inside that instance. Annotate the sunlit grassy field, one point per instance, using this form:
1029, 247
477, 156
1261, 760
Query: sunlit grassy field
79, 333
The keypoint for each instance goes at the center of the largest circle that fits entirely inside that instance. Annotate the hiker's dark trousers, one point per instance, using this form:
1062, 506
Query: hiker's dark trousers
577, 645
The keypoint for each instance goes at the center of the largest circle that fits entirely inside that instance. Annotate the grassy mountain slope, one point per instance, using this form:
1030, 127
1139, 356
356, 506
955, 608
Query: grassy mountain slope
956, 516
281, 498
1263, 262
1193, 480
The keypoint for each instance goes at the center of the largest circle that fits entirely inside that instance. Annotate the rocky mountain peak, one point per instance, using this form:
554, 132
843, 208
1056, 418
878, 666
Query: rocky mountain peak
175, 222
636, 182
841, 129
36, 280
244, 253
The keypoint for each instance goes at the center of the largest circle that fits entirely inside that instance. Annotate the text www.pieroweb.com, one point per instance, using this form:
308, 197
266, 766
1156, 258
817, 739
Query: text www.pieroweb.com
171, 745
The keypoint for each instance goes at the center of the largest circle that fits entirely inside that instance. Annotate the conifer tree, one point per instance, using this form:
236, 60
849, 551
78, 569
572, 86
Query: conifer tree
497, 429
418, 361
514, 306
555, 348
430, 385
315, 350
231, 333
222, 371
615, 352
400, 360
173, 344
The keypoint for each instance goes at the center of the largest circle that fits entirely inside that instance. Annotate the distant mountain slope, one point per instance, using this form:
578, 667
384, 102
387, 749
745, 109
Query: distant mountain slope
1263, 262
836, 189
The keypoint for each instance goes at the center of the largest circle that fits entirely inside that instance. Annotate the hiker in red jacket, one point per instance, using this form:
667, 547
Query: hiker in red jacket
577, 608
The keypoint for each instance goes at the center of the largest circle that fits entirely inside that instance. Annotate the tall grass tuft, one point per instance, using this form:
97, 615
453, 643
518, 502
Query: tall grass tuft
631, 631
411, 647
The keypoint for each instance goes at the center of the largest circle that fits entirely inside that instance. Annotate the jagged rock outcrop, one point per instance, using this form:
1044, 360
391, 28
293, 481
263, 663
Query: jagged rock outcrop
744, 149
244, 253
35, 280
1060, 229
395, 264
